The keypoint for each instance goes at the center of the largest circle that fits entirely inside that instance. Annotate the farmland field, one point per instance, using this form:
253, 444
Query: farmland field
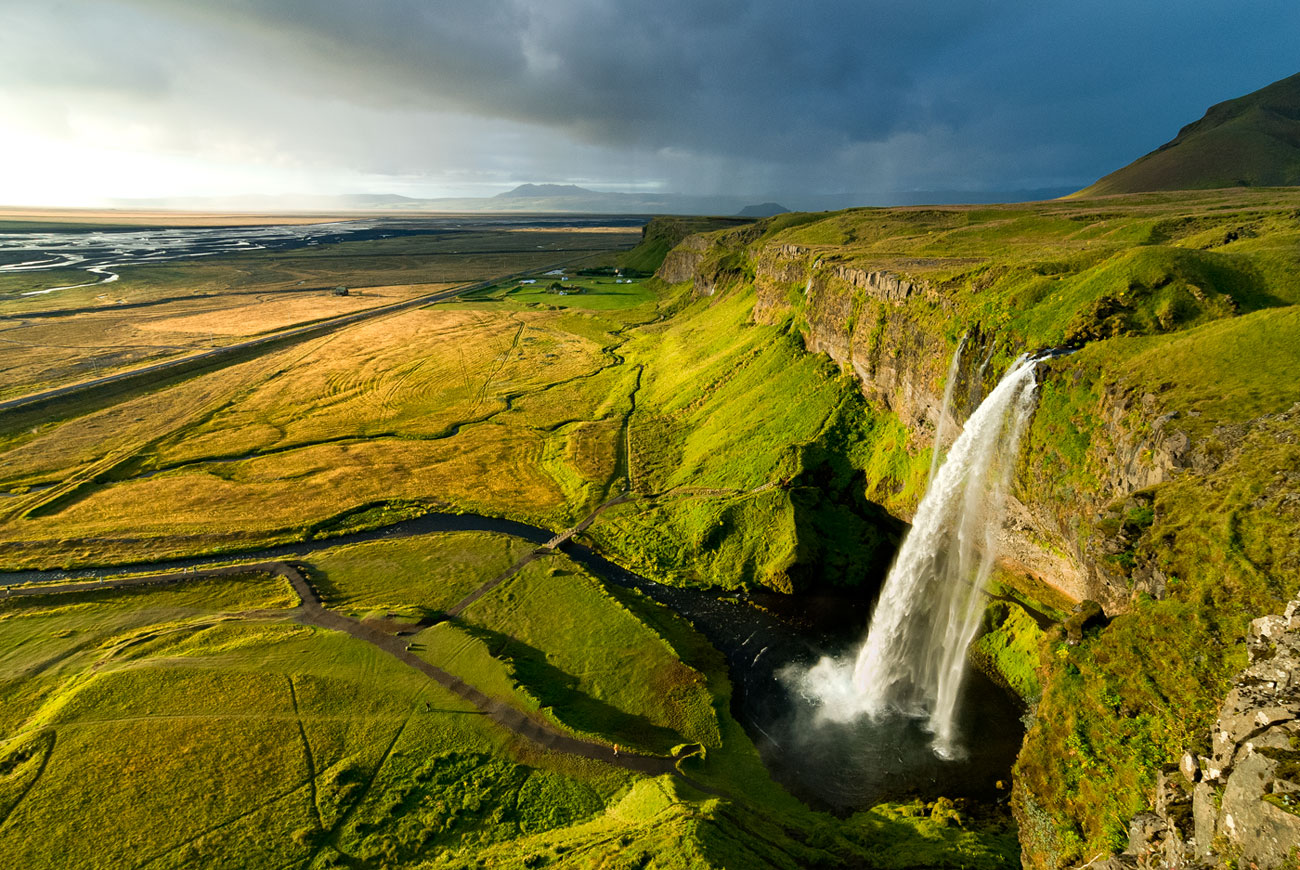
221, 719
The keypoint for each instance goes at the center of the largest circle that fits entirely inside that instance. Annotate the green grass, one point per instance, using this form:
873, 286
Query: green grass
149, 725
1008, 647
597, 293
663, 234
1231, 371
576, 649
1142, 691
756, 454
423, 574
196, 723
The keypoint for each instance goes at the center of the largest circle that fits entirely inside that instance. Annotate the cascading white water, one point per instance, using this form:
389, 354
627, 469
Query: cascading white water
914, 656
940, 429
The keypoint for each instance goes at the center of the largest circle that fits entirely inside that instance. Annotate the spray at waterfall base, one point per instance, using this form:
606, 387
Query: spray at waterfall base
912, 664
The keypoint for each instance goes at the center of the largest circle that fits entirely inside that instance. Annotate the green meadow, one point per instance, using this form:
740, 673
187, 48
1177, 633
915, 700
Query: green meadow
208, 722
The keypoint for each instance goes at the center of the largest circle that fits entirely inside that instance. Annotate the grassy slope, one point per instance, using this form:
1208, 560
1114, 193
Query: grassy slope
1147, 688
662, 235
750, 454
199, 722
1189, 303
172, 729
1253, 140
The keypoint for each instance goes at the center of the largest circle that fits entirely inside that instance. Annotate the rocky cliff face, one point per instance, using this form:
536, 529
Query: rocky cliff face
683, 261
1240, 805
855, 317
890, 332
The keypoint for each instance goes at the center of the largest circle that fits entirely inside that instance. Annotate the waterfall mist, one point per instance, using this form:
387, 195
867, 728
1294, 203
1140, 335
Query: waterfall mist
914, 657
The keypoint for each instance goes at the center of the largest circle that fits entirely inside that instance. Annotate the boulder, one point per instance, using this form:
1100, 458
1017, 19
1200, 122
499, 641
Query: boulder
1245, 798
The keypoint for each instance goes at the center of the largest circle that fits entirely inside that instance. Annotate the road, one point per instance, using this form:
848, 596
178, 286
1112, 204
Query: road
233, 351
312, 612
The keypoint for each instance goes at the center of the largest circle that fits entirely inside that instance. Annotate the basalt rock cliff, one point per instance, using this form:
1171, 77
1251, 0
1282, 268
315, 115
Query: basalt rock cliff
1160, 476
878, 325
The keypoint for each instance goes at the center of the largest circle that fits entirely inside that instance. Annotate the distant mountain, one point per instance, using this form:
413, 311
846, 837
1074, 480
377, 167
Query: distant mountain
572, 199
533, 190
524, 199
1252, 141
762, 210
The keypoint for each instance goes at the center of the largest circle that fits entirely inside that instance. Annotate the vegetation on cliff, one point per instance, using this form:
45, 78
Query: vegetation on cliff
1160, 472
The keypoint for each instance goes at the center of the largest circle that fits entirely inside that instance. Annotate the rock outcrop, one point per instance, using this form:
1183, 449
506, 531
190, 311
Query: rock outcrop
888, 330
1239, 806
684, 259
891, 331
855, 317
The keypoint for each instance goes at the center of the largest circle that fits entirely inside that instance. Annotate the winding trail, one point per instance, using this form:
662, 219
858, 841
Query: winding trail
312, 612
109, 385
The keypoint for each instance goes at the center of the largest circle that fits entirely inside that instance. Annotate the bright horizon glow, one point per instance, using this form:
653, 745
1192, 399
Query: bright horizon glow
78, 171
61, 173
104, 100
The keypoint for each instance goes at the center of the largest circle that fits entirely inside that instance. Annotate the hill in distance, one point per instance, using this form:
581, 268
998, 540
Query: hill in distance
762, 210
1252, 141
529, 190
572, 199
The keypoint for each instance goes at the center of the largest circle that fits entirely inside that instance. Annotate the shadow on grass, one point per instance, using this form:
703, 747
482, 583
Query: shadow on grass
558, 690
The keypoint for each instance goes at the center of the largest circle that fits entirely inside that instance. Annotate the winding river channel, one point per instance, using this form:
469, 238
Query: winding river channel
101, 251
835, 766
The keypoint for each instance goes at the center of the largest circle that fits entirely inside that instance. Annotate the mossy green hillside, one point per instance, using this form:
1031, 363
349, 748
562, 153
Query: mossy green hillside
570, 646
417, 576
751, 457
1138, 693
1249, 141
198, 722
1186, 307
662, 234
664, 825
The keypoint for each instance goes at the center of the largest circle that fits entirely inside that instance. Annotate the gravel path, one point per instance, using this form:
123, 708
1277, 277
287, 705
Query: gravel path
312, 612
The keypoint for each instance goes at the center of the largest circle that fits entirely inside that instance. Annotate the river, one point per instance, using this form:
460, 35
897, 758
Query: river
835, 766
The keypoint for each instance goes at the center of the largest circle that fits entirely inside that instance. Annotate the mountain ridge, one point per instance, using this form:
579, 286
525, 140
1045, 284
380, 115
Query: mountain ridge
1250, 141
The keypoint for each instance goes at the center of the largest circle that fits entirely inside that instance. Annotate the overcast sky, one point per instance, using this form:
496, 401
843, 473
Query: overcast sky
119, 98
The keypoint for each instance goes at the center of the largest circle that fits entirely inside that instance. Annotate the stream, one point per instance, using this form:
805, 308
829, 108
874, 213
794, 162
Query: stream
839, 767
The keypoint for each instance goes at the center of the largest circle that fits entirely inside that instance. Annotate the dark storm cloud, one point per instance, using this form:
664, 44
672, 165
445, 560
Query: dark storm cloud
764, 94
721, 76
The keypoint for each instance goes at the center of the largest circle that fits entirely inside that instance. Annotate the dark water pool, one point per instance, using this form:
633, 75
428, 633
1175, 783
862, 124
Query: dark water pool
836, 766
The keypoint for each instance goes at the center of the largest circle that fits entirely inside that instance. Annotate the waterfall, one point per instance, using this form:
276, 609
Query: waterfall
946, 411
914, 656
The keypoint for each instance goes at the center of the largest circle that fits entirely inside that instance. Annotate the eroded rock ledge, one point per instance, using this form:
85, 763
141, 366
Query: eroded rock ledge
889, 329
1240, 805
